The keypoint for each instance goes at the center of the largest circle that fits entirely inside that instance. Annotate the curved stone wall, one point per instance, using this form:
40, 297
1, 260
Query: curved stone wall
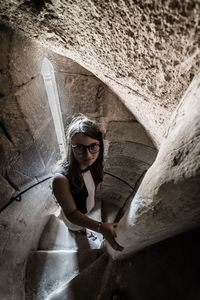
167, 201
146, 52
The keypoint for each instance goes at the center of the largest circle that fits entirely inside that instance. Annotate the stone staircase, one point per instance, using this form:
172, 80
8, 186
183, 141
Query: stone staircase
66, 265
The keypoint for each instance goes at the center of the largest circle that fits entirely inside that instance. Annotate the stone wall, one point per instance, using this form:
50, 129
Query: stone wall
29, 147
26, 120
129, 151
146, 52
167, 201
28, 141
21, 226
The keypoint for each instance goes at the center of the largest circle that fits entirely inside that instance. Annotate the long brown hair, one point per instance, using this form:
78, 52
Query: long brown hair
84, 125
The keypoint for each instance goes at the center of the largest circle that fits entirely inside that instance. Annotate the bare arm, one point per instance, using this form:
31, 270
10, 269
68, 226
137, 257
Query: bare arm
64, 197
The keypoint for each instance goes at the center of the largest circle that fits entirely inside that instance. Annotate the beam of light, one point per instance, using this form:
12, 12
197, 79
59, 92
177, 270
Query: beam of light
47, 72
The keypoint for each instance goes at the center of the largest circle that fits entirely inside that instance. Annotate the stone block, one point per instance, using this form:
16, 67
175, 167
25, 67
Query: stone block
38, 116
127, 175
114, 191
112, 197
6, 191
8, 152
34, 161
126, 163
33, 103
63, 64
5, 37
4, 84
13, 123
118, 194
131, 131
27, 167
5, 75
130, 149
79, 93
47, 145
25, 59
114, 109
19, 173
19, 166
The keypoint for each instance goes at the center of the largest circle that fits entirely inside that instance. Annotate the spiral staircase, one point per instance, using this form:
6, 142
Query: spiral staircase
76, 266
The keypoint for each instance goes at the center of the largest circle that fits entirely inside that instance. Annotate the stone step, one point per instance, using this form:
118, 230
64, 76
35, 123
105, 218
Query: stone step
56, 236
48, 271
87, 285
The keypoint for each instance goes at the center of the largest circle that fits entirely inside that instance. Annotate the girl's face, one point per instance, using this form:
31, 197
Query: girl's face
85, 150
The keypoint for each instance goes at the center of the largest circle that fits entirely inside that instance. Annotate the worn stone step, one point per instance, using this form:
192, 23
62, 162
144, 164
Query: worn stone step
87, 285
48, 271
56, 236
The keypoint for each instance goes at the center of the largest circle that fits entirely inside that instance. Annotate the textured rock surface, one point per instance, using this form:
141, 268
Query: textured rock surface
29, 144
25, 118
21, 225
167, 201
147, 52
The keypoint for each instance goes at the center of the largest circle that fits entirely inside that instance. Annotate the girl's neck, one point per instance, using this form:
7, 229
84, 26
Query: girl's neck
85, 170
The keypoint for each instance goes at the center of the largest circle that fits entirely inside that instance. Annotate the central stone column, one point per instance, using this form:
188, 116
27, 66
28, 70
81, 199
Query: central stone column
168, 200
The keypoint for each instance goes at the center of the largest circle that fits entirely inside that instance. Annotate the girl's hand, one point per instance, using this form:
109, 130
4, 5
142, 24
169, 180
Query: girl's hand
109, 232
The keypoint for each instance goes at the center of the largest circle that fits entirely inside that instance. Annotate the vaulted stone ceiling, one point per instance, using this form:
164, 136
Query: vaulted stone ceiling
147, 52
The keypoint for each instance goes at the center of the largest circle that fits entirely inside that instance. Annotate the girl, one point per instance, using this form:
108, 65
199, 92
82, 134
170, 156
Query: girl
75, 186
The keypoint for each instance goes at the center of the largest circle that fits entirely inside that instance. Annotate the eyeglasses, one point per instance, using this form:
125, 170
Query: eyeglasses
81, 149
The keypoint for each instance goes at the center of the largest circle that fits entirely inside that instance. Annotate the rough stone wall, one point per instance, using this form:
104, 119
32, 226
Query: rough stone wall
146, 51
77, 87
128, 149
29, 146
21, 226
25, 117
28, 143
167, 201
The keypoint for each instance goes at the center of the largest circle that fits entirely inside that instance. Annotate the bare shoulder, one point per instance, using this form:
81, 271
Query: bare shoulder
59, 177
61, 190
60, 180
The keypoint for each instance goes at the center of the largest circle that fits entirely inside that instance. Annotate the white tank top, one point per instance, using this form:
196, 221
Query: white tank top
89, 182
